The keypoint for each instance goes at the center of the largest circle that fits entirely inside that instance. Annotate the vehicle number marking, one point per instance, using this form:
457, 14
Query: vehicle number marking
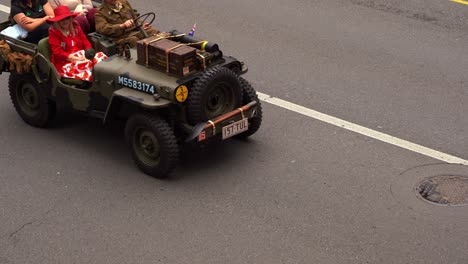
137, 85
235, 128
202, 136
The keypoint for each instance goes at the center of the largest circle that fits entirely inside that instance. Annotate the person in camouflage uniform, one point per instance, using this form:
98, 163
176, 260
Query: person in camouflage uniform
115, 19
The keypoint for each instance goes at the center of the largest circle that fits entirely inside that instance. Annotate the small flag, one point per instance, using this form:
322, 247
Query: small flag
192, 32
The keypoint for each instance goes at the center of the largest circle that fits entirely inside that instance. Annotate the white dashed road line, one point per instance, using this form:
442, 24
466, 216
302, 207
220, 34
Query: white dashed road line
348, 125
362, 130
4, 9
460, 2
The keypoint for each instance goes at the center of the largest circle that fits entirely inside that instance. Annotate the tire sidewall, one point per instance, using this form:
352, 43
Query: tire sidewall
213, 87
203, 88
168, 149
44, 113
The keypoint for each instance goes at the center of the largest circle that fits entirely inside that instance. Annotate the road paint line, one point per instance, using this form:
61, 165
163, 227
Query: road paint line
362, 130
460, 2
4, 9
351, 126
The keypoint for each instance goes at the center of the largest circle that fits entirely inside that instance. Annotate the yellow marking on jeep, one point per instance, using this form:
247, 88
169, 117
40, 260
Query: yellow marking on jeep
181, 93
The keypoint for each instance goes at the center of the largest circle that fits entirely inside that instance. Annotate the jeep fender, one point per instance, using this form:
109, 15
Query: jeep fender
127, 95
42, 68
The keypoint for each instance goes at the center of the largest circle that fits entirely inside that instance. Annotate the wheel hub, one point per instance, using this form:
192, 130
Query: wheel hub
219, 101
215, 101
28, 99
147, 146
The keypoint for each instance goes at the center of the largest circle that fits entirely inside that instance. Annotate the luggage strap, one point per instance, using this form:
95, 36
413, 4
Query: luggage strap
203, 60
155, 40
175, 47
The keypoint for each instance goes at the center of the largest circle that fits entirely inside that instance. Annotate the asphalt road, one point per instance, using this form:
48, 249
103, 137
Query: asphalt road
300, 191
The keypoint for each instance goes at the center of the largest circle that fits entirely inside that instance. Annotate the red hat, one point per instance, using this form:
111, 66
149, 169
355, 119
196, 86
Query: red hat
61, 12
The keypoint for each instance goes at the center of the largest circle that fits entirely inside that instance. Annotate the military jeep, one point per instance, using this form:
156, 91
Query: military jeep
161, 111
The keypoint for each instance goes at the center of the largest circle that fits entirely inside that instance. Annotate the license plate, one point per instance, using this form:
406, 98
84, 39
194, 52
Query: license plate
235, 128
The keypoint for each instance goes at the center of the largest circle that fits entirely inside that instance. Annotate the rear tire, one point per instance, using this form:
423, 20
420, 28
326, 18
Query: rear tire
30, 100
152, 144
249, 94
216, 92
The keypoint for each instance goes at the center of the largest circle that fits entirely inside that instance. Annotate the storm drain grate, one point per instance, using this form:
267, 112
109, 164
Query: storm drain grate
445, 190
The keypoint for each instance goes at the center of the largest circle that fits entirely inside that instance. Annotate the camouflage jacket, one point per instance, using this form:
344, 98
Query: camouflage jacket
109, 18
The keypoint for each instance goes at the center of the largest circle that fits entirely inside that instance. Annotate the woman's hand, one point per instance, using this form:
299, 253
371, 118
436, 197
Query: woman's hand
73, 58
81, 9
47, 17
146, 26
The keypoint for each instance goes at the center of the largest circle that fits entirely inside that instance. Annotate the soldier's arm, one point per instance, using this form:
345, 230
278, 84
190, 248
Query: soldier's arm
106, 28
134, 14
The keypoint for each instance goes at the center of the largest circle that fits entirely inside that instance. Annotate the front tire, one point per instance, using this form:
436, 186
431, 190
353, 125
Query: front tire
152, 144
30, 100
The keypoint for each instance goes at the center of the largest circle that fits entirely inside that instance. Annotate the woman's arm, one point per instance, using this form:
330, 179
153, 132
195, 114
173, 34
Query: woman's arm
81, 37
48, 10
29, 24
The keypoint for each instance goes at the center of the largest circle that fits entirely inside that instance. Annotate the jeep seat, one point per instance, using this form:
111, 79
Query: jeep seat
44, 48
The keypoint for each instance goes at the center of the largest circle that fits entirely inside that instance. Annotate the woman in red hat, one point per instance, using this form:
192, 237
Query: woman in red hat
68, 44
84, 7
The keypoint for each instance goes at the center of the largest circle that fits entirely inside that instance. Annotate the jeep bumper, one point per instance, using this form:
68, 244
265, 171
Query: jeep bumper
225, 126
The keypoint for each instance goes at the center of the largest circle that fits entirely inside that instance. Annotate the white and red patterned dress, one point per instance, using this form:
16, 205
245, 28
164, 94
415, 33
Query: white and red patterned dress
62, 46
82, 70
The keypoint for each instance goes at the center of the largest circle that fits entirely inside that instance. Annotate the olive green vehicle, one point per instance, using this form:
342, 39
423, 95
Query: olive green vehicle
161, 112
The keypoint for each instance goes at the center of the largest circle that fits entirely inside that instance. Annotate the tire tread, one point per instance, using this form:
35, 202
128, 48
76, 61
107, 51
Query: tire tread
249, 95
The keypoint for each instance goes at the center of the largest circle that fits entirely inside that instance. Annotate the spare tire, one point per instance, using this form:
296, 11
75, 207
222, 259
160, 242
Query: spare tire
249, 95
216, 92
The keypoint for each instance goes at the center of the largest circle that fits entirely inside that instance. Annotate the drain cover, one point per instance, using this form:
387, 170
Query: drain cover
444, 190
